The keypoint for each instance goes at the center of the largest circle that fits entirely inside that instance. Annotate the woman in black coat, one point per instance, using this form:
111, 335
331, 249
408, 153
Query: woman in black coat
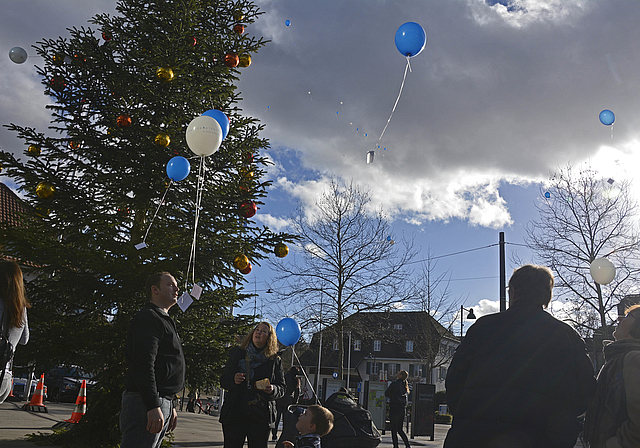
398, 394
249, 410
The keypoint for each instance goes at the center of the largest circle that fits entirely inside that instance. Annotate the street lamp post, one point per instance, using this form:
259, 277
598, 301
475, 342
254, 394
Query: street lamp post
469, 316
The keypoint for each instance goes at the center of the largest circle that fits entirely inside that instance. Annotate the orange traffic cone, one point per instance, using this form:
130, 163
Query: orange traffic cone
11, 391
36, 403
78, 411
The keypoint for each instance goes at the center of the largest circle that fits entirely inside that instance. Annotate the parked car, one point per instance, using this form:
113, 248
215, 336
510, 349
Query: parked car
64, 382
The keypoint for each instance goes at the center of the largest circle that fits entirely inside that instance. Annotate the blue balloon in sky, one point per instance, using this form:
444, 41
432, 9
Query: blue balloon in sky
288, 331
410, 39
607, 117
178, 168
287, 22
222, 120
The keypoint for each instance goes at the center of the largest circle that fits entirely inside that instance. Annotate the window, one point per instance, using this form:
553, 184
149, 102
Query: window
417, 370
393, 369
443, 373
409, 346
373, 368
397, 326
357, 345
335, 344
377, 345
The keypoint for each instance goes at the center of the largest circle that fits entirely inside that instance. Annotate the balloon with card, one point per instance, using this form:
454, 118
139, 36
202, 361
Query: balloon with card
204, 135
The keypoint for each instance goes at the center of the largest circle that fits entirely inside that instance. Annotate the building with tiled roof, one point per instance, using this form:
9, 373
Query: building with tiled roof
10, 205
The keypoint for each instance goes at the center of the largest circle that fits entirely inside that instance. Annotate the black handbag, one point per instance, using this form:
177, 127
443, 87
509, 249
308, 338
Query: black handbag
6, 348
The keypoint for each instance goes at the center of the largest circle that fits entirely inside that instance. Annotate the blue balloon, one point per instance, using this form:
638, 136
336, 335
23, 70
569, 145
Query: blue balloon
178, 168
287, 22
410, 39
222, 120
288, 331
547, 195
607, 117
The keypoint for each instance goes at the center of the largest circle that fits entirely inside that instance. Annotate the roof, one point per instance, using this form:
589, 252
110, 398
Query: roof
10, 205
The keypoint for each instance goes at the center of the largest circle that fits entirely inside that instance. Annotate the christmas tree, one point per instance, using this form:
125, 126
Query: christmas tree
124, 91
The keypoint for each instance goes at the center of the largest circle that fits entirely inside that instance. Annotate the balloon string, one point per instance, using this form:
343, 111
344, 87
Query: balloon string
192, 255
157, 209
305, 375
397, 99
611, 132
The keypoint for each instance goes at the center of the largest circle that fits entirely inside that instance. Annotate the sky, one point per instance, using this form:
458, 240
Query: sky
502, 93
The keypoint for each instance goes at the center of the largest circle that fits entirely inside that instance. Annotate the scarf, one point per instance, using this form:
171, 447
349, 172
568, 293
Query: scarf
256, 357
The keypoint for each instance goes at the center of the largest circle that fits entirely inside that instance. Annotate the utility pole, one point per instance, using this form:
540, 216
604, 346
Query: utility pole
503, 279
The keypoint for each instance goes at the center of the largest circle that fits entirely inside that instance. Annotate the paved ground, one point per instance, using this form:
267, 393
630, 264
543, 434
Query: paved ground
193, 431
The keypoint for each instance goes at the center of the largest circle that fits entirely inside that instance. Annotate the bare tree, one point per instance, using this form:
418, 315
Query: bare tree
584, 217
349, 261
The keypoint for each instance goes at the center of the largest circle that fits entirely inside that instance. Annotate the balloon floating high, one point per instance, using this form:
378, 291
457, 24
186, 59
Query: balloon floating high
178, 168
45, 190
288, 332
287, 22
410, 39
607, 117
547, 195
281, 250
18, 55
222, 120
602, 271
204, 135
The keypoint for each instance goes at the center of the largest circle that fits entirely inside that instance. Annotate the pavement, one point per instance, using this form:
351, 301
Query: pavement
193, 431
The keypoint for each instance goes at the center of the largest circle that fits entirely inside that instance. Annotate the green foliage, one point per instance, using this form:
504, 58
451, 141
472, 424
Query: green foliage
109, 183
444, 419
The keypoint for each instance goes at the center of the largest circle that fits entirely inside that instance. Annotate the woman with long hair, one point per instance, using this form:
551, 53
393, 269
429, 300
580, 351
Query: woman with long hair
254, 379
13, 317
398, 394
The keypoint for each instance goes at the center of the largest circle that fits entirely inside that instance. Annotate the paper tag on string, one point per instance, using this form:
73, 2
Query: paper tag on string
141, 245
196, 291
184, 301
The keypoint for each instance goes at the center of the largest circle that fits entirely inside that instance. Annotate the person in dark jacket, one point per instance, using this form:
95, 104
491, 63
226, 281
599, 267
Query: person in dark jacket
398, 394
291, 395
520, 378
254, 380
613, 419
156, 368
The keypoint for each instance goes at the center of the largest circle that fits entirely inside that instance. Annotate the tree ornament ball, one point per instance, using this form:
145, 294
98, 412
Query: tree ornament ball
19, 55
58, 59
231, 60
124, 121
281, 250
246, 270
165, 74
57, 83
191, 41
247, 209
248, 158
162, 139
244, 61
79, 59
238, 28
240, 262
74, 144
107, 36
602, 271
238, 16
45, 190
33, 150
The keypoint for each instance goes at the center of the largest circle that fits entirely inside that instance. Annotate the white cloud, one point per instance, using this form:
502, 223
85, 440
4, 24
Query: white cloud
274, 223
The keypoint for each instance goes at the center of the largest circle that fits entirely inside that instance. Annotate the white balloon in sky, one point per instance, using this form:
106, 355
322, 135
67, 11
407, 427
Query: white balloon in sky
602, 271
18, 55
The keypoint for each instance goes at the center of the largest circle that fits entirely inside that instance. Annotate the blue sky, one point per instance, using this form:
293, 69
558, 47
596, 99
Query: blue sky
500, 96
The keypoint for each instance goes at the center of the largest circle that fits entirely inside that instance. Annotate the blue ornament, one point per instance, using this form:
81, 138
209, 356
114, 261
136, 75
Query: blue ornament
410, 39
222, 120
178, 168
607, 117
288, 332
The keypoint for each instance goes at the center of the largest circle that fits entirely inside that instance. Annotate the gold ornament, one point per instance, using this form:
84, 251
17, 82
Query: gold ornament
58, 59
246, 173
165, 74
238, 16
281, 250
244, 60
45, 190
162, 139
240, 262
33, 150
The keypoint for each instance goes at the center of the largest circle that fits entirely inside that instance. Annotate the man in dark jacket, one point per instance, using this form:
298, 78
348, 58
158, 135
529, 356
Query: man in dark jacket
521, 378
156, 368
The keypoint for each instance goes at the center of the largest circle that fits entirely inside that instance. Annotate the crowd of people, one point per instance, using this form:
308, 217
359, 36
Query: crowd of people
520, 378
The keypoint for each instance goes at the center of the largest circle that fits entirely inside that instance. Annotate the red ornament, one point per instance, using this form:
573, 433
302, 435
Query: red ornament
248, 157
57, 83
231, 60
238, 28
124, 121
74, 145
107, 36
192, 41
247, 209
246, 270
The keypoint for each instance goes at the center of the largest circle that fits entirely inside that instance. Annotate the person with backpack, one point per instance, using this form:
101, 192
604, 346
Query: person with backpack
398, 394
14, 327
291, 395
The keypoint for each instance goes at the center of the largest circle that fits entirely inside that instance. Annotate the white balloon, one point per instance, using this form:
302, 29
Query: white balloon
602, 271
204, 135
18, 55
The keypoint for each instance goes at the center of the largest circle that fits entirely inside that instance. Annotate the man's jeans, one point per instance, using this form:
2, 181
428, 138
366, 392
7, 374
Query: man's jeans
133, 422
